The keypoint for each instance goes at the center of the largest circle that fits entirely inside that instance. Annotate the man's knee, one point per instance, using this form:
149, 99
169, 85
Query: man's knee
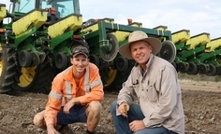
39, 120
95, 107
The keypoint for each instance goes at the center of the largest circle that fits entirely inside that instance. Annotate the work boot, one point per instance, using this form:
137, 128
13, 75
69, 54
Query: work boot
66, 130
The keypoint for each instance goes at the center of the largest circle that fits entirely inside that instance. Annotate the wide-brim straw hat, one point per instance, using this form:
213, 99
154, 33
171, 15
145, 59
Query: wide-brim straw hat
135, 36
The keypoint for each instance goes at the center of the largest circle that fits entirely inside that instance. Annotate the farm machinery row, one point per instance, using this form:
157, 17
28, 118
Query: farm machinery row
197, 54
38, 35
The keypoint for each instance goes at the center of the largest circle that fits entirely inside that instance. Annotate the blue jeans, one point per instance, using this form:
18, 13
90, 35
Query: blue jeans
77, 114
122, 124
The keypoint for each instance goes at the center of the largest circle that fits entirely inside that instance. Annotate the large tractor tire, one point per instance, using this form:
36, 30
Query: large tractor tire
107, 76
35, 79
7, 69
120, 78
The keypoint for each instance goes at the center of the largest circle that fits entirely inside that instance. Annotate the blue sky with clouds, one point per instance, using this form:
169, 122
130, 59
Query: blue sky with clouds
195, 15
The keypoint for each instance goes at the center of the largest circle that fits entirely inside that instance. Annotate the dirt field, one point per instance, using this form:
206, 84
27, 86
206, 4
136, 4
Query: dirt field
202, 105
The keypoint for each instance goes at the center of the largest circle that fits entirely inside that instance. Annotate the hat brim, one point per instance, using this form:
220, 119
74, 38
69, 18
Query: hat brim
124, 49
76, 54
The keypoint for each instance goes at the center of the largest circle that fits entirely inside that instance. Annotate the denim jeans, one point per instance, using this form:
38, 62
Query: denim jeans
77, 114
122, 124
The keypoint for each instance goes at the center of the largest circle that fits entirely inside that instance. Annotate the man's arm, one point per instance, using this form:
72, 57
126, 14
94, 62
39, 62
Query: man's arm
54, 102
167, 98
126, 95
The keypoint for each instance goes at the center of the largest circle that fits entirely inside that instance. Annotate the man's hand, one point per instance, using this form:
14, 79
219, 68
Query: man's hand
51, 129
136, 125
68, 106
123, 109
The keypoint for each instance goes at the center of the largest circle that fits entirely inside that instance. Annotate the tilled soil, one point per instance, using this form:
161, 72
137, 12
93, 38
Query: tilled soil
202, 112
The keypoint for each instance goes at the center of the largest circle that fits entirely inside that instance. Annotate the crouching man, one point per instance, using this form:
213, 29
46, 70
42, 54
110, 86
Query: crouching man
75, 96
154, 82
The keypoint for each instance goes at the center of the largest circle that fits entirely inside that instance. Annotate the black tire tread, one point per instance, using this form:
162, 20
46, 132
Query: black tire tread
8, 70
42, 80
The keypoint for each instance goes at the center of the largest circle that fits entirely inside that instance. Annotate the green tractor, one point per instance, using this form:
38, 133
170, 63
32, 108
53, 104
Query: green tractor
29, 42
37, 36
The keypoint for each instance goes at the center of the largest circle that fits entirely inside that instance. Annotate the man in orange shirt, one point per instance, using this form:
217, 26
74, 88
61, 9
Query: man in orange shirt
75, 96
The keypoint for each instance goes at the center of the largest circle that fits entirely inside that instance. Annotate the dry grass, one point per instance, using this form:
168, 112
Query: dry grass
201, 82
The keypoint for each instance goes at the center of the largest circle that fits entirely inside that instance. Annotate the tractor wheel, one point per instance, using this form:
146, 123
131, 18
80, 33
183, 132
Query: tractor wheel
61, 61
121, 64
203, 68
7, 69
25, 58
218, 72
35, 59
109, 55
183, 67
35, 79
95, 59
212, 70
120, 78
168, 51
193, 68
107, 76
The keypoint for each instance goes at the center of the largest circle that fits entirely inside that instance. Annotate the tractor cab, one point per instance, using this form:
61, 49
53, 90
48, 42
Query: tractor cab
61, 8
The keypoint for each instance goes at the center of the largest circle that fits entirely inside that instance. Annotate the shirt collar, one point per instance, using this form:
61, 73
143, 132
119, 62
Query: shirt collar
147, 65
69, 74
150, 60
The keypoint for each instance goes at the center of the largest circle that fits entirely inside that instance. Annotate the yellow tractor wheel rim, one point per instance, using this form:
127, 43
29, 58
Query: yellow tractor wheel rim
27, 76
111, 76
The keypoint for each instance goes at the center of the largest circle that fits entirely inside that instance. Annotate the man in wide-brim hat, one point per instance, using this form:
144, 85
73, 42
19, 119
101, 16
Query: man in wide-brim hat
139, 36
155, 82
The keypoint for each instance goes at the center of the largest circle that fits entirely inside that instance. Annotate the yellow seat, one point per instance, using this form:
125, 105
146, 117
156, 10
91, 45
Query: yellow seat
181, 36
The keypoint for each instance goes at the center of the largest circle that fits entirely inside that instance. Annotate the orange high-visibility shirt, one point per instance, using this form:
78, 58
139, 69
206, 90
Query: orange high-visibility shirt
64, 88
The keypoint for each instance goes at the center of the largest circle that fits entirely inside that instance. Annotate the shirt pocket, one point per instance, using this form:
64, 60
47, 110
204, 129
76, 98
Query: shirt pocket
150, 93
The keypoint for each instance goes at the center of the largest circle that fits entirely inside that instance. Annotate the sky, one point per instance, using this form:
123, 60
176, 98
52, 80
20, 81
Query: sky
198, 16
